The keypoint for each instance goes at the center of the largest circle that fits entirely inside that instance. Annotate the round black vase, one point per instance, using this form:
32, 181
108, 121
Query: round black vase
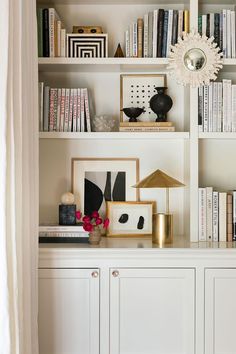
161, 104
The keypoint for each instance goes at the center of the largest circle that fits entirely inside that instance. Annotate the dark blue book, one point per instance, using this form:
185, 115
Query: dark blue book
45, 33
200, 25
174, 37
221, 31
160, 31
165, 34
208, 26
217, 28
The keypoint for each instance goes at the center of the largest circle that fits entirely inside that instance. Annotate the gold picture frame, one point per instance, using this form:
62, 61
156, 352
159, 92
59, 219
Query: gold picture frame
126, 220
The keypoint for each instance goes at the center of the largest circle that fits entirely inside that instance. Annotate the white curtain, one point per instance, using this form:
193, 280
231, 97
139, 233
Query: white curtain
18, 177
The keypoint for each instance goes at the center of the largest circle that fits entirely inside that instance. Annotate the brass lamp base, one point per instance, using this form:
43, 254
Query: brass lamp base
162, 229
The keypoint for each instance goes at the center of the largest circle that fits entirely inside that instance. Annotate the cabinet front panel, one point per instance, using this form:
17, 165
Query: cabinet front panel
68, 311
152, 311
220, 311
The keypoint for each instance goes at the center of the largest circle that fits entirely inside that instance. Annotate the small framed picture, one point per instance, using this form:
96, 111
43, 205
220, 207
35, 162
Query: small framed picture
130, 218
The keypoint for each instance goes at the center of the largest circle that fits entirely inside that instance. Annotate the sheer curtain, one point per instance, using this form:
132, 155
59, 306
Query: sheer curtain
18, 177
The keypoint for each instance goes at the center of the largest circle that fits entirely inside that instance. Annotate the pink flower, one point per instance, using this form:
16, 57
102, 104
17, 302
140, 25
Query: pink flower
88, 227
106, 223
95, 214
78, 214
86, 219
98, 221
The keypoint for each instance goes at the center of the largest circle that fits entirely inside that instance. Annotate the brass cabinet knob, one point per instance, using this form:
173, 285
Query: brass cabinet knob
115, 273
95, 274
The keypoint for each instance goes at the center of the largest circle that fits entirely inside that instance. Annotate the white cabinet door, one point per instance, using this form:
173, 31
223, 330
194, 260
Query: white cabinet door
152, 311
69, 311
220, 311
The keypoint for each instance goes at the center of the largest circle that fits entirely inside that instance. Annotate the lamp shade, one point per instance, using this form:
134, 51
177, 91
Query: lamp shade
158, 179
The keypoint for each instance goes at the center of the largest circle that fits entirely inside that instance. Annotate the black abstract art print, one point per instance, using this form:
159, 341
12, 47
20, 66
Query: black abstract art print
100, 187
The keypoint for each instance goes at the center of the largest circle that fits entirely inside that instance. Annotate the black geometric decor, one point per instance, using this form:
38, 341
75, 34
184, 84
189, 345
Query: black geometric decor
87, 45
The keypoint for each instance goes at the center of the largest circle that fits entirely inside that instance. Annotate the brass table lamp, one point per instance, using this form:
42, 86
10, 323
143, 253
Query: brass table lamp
162, 222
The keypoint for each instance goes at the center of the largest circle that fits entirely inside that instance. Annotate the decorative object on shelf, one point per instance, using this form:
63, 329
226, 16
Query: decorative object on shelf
104, 124
93, 224
130, 218
87, 29
162, 222
97, 180
195, 60
119, 52
136, 90
133, 113
160, 104
67, 209
87, 45
67, 198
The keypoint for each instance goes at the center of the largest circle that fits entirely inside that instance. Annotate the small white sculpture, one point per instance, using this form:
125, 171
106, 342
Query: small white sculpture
67, 198
104, 124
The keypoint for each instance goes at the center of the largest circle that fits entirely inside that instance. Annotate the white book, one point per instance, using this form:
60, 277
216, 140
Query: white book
215, 222
127, 44
229, 106
150, 34
59, 234
82, 111
169, 33
67, 106
180, 23
87, 111
75, 106
220, 107
155, 17
58, 109
215, 106
212, 24
234, 215
233, 96
131, 40
222, 216
145, 36
78, 110
224, 121
233, 51
206, 109
63, 43
52, 17
204, 24
40, 103
225, 33
58, 228
209, 212
202, 230
62, 110
71, 110
46, 108
228, 34
58, 38
135, 39
210, 108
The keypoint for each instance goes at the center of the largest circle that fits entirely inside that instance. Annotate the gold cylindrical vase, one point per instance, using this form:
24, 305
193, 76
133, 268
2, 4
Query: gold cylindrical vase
162, 229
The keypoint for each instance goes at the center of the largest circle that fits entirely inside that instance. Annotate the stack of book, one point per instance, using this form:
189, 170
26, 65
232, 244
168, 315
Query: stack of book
66, 234
152, 36
63, 109
147, 127
217, 107
221, 26
51, 34
217, 215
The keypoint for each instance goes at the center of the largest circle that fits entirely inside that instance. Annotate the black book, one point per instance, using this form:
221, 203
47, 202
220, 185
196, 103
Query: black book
160, 31
208, 26
165, 34
174, 36
217, 28
45, 33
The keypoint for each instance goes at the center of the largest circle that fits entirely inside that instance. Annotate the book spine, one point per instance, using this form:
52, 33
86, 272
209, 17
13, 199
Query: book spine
46, 108
150, 35
209, 212
59, 38
145, 36
75, 105
234, 215
233, 95
229, 217
40, 31
212, 24
62, 116
55, 110
51, 110
40, 102
174, 27
160, 32
233, 51
217, 28
200, 108
135, 40
229, 107
46, 52
82, 114
58, 109
221, 31
140, 37
127, 44
154, 41
228, 34
200, 24
87, 111
180, 23
222, 216
224, 33
63, 234
71, 102
202, 214
215, 106
51, 31
220, 107
204, 25
67, 105
210, 111
63, 43
169, 34
165, 34
78, 110
215, 225
131, 40
147, 129
224, 105
205, 117
186, 21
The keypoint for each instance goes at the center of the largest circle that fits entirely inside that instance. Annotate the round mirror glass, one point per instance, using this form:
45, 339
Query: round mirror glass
195, 59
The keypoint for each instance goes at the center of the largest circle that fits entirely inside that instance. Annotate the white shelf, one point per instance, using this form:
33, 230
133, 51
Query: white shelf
110, 2
115, 135
217, 135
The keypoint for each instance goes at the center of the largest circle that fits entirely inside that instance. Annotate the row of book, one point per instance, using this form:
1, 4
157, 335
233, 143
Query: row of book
152, 36
66, 234
221, 26
217, 215
51, 34
217, 107
63, 109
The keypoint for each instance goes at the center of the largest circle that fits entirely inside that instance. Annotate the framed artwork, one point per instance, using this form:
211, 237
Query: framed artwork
136, 90
130, 218
87, 45
98, 180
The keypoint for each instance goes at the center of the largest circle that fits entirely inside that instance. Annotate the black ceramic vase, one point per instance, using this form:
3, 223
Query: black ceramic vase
133, 113
161, 104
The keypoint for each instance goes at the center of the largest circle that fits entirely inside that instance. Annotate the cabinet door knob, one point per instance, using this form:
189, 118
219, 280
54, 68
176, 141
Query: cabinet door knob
115, 273
95, 274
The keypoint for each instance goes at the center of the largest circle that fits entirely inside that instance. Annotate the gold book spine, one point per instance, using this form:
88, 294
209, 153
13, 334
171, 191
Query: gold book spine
140, 37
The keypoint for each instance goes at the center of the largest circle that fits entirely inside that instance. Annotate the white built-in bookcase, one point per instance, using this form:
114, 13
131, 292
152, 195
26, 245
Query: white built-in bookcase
196, 159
